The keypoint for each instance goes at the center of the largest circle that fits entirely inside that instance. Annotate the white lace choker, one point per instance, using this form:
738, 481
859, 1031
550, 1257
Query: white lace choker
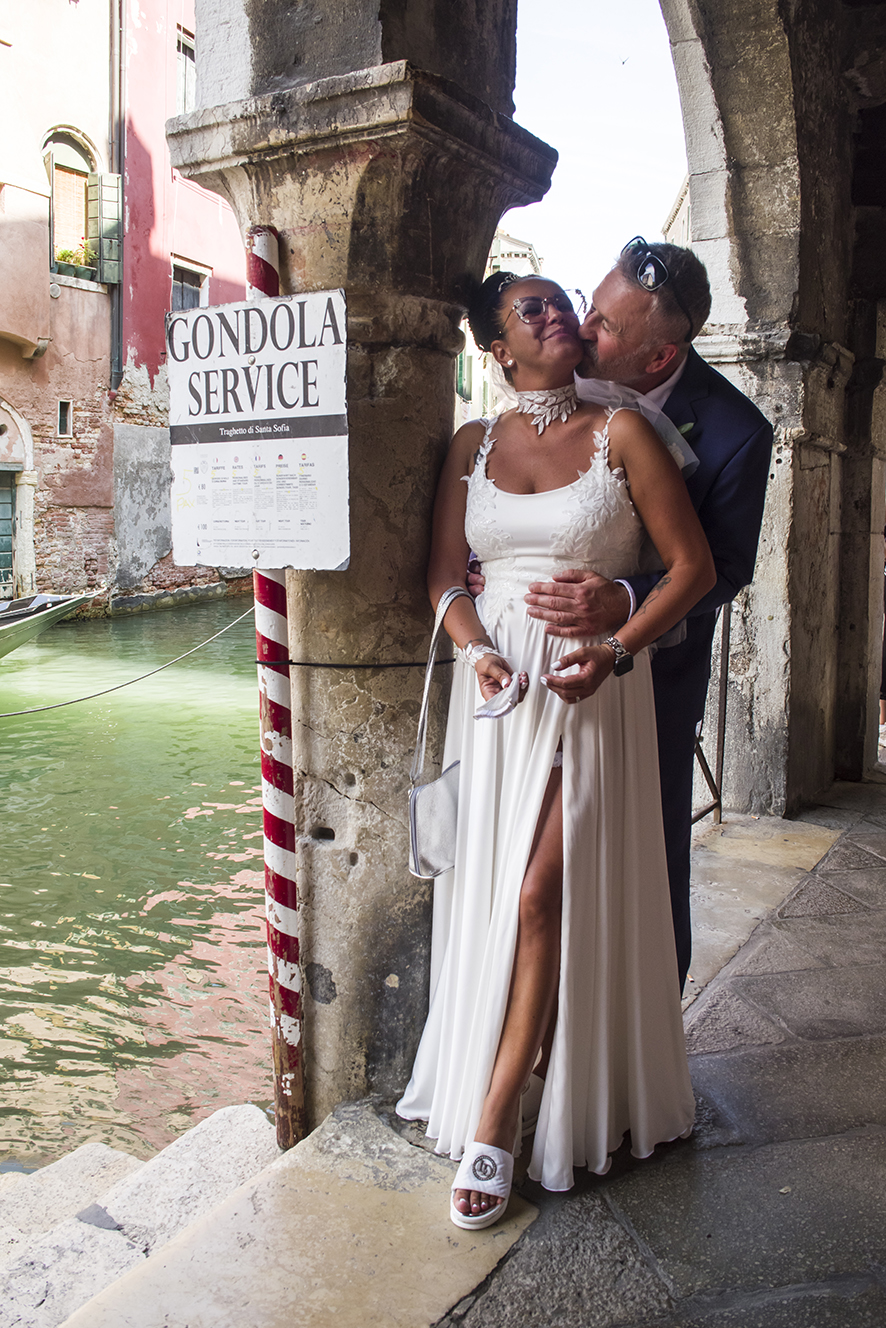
557, 403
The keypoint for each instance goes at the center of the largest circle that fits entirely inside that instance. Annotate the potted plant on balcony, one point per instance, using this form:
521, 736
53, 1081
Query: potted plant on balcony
86, 262
64, 263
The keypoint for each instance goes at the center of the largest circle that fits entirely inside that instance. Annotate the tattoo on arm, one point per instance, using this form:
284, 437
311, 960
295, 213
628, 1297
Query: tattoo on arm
653, 595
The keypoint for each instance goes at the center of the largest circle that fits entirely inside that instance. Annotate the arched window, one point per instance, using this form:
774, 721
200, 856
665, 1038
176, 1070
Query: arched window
69, 163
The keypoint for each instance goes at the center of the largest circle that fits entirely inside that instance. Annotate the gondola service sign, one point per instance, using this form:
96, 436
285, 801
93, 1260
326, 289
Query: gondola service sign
258, 425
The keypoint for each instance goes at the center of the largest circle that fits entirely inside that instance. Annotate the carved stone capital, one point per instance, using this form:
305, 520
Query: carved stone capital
386, 176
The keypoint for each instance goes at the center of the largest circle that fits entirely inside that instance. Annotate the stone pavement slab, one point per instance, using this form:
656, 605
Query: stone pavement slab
768, 840
819, 896
796, 1091
841, 819
742, 870
869, 837
850, 1304
866, 887
848, 855
862, 801
577, 1266
831, 940
778, 1216
821, 1003
724, 1021
774, 948
350, 1228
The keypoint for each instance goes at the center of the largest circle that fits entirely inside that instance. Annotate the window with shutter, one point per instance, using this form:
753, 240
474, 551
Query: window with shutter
7, 521
186, 286
68, 164
104, 227
186, 71
68, 208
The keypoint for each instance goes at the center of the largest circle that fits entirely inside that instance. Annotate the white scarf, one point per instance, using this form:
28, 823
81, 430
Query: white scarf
612, 396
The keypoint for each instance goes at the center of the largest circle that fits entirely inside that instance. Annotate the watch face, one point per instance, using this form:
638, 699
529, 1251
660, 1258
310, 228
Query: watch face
623, 665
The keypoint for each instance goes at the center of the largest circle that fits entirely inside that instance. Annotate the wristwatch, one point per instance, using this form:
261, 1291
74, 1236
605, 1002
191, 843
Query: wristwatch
624, 660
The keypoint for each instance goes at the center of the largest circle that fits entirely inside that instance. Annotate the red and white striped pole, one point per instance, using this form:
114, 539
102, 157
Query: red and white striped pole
275, 718
262, 262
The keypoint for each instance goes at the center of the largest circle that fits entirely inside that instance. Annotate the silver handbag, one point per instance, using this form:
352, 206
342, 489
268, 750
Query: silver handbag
433, 807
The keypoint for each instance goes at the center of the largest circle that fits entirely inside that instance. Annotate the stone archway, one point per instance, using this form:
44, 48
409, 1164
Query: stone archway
769, 114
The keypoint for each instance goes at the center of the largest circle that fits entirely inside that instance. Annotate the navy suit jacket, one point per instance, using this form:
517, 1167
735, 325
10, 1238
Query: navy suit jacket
733, 443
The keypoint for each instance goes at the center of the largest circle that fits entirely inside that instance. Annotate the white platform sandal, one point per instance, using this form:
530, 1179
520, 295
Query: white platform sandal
490, 1171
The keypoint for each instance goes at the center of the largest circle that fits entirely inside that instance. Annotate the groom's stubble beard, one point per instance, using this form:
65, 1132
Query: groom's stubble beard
624, 369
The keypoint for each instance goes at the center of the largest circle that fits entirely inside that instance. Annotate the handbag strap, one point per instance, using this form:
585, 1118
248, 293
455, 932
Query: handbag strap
446, 600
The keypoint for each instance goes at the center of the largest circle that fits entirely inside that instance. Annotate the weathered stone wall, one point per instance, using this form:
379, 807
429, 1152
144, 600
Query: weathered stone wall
142, 480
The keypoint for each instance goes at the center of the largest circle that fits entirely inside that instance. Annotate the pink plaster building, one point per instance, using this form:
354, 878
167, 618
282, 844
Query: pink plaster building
99, 238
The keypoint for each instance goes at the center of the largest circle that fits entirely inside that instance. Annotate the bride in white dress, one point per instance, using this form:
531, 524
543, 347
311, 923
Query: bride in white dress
553, 932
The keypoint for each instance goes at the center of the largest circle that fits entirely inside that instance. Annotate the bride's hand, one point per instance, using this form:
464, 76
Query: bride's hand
595, 665
494, 675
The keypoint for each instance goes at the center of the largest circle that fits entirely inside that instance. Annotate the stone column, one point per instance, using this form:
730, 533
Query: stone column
388, 182
860, 621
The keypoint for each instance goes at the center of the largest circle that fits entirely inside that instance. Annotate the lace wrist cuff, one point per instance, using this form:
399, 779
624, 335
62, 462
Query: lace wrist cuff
473, 653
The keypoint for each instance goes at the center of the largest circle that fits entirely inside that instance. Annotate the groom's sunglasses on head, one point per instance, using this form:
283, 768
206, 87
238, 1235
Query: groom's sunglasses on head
651, 273
532, 308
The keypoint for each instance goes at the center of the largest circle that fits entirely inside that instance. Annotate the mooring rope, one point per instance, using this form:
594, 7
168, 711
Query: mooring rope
10, 714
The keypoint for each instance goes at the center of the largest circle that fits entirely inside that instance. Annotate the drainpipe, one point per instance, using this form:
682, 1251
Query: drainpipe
117, 145
275, 719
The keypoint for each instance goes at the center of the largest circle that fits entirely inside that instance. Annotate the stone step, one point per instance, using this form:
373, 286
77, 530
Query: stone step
127, 1221
350, 1228
33, 1203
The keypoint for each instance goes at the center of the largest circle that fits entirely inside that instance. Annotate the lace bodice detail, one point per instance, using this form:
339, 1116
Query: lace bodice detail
523, 537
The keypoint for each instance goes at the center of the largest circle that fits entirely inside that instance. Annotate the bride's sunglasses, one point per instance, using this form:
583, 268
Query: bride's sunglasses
534, 308
651, 273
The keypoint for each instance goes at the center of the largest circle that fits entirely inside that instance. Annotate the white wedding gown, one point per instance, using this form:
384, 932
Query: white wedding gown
618, 1061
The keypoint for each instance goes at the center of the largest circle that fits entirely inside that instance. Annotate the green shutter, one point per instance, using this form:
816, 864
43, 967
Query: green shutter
7, 525
104, 225
465, 376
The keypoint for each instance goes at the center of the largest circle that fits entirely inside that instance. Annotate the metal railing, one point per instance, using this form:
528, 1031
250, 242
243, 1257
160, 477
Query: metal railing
714, 780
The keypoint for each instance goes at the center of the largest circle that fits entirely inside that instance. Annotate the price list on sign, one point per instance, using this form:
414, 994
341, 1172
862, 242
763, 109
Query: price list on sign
258, 426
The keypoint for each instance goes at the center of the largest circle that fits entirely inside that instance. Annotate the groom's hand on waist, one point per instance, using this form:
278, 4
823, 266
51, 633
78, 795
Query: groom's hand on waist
577, 603
475, 579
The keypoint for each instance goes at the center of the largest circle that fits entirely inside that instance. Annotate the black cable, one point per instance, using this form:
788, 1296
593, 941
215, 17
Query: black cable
310, 664
10, 714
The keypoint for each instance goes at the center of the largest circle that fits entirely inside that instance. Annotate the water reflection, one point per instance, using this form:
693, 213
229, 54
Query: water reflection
133, 994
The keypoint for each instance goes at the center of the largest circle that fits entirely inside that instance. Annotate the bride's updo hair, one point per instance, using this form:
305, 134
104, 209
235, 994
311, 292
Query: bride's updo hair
485, 308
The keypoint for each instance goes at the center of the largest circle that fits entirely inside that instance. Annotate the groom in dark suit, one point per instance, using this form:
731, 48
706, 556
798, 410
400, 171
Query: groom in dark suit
644, 316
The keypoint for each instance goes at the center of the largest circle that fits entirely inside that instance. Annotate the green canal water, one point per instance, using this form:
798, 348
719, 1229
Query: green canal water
133, 986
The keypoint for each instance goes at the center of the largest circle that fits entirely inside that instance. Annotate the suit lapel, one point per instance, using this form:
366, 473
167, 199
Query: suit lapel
680, 406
